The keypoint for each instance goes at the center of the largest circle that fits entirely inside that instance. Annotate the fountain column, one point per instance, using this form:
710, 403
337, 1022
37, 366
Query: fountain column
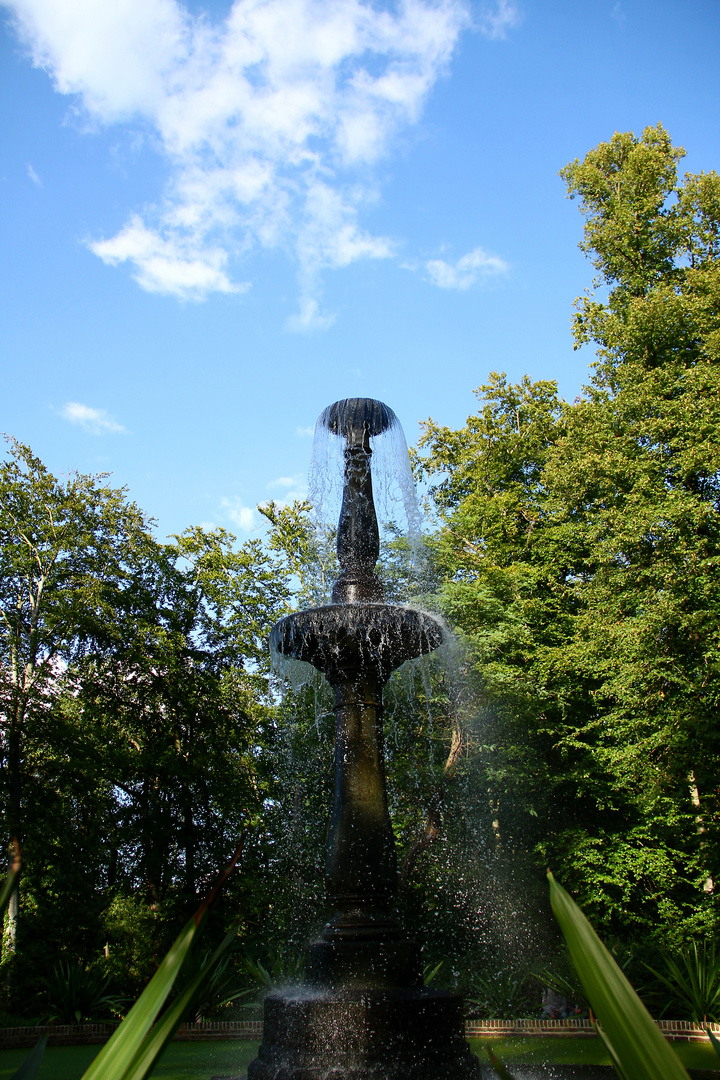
363, 1013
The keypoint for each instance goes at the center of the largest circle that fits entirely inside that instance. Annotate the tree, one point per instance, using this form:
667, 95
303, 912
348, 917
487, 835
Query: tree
580, 548
65, 548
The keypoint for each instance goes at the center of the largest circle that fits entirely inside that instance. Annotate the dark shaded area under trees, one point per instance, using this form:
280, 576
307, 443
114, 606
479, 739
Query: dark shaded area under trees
576, 549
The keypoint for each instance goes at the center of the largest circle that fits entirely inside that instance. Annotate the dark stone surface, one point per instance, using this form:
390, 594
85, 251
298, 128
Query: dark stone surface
342, 640
362, 1014
364, 1035
348, 418
377, 965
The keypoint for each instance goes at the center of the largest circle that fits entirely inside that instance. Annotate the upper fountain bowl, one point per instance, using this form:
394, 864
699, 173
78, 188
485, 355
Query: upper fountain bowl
347, 418
345, 641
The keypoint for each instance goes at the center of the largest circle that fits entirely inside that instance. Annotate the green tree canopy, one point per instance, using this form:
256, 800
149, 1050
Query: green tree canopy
580, 546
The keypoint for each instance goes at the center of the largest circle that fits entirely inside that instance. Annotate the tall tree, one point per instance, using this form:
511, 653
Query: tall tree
65, 549
580, 548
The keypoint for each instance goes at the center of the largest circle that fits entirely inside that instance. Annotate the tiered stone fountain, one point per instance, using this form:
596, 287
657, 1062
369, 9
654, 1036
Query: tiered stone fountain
363, 1012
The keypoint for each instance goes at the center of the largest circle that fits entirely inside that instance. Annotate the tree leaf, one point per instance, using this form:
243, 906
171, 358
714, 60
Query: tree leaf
643, 1053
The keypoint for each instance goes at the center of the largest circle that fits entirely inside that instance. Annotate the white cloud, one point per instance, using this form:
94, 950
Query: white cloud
305, 432
271, 120
170, 266
33, 175
284, 481
296, 489
245, 517
94, 421
495, 20
465, 272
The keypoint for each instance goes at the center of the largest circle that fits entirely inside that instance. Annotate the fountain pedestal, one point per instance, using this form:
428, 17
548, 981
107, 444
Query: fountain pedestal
400, 1034
363, 1012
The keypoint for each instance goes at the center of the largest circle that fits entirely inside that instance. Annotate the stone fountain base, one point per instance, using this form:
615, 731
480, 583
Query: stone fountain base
394, 1034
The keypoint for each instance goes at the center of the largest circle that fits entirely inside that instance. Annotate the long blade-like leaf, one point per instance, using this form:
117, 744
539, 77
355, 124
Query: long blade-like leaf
714, 1042
617, 1063
498, 1066
29, 1068
157, 1039
639, 1046
118, 1052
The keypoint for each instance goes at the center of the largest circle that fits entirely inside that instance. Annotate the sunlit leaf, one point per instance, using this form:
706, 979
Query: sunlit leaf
636, 1042
157, 1039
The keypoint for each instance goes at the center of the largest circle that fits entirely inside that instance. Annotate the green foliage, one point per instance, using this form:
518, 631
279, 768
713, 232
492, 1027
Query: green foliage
218, 990
501, 995
691, 981
638, 1050
579, 550
562, 978
431, 971
78, 995
134, 1048
284, 966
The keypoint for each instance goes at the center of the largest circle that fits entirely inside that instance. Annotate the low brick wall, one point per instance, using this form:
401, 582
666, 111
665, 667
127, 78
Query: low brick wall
58, 1035
81, 1034
240, 1029
676, 1030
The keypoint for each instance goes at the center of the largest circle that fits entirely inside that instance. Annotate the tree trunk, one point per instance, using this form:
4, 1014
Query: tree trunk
708, 884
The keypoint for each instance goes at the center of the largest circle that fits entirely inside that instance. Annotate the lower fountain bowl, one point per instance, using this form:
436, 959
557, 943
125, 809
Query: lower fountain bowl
396, 1034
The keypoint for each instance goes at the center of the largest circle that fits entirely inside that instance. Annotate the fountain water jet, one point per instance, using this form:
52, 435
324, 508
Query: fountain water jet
363, 1013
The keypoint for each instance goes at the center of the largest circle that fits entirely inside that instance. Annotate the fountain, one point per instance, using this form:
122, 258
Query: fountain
362, 1012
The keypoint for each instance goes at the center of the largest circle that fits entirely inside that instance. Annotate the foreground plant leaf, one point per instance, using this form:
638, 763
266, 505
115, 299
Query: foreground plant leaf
117, 1059
617, 1063
157, 1039
634, 1040
29, 1068
714, 1042
498, 1066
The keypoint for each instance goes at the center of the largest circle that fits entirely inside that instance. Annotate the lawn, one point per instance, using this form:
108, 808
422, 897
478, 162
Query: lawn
559, 1051
181, 1061
202, 1060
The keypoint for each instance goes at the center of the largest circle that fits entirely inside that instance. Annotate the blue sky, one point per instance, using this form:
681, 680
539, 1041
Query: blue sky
218, 218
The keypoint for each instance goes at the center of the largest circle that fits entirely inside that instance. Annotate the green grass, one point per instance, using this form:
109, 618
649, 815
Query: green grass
181, 1061
201, 1060
561, 1051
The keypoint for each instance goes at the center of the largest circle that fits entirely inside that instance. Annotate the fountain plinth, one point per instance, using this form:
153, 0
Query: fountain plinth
363, 1012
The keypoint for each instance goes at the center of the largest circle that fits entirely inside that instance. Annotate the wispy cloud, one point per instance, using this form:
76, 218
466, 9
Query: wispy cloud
305, 432
466, 271
244, 517
94, 421
172, 266
33, 175
295, 489
271, 121
495, 20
